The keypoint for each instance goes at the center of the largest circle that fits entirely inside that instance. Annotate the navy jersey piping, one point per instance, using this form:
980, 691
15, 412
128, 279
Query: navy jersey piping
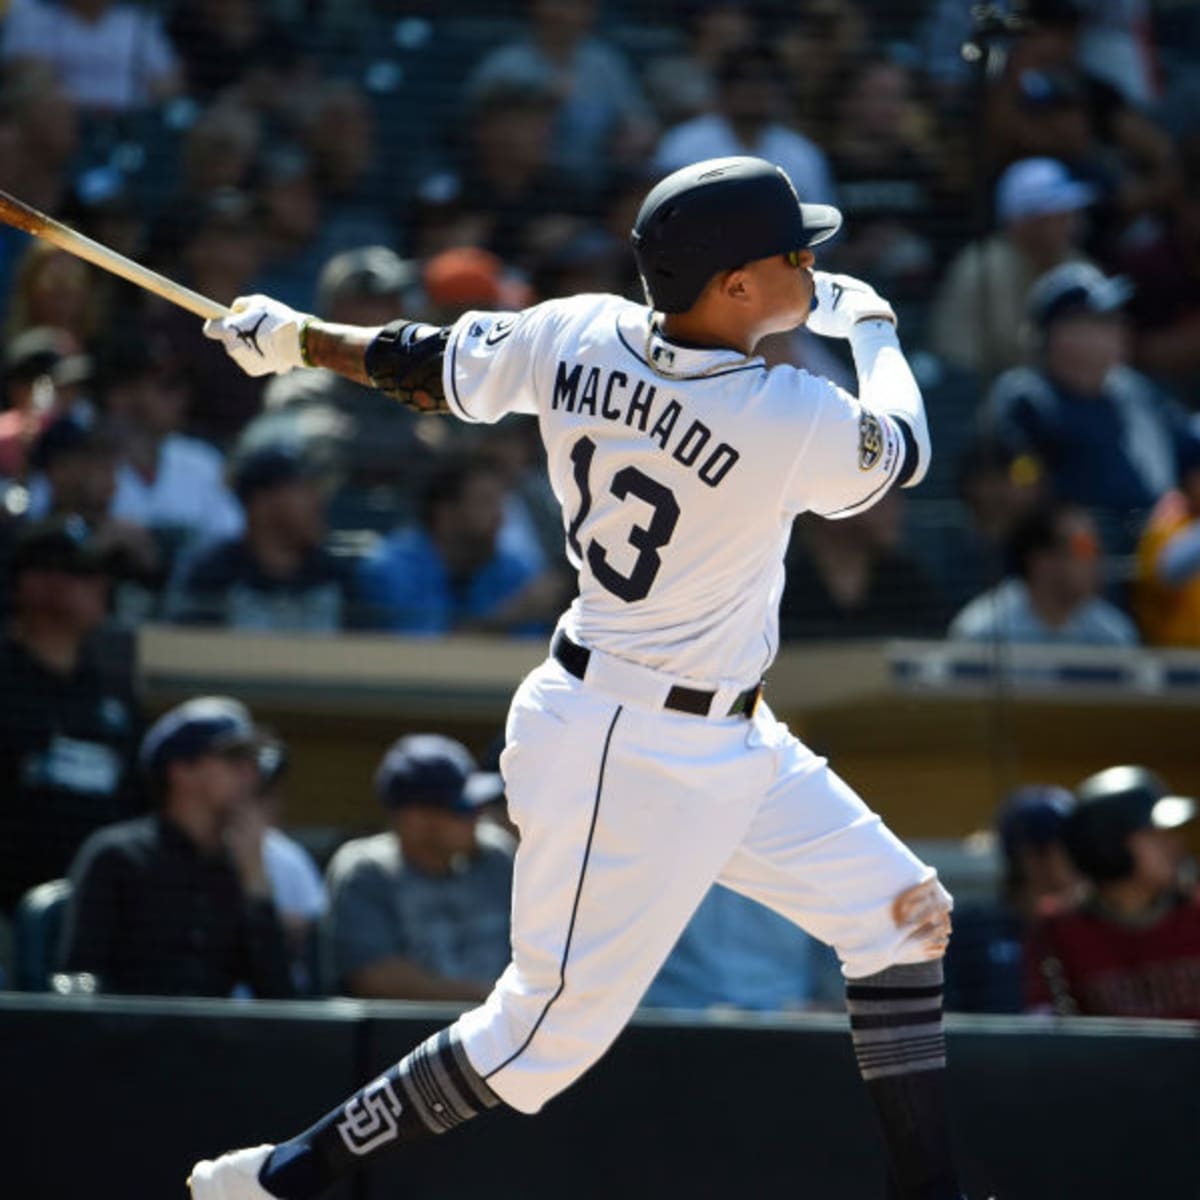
462, 408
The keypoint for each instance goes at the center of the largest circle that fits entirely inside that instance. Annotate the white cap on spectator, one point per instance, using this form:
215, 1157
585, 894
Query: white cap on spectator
1035, 187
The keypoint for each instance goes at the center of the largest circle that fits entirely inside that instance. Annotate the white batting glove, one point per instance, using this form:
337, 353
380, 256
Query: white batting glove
843, 301
261, 335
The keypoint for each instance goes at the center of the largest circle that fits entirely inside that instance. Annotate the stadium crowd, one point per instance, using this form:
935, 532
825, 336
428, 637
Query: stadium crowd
1037, 226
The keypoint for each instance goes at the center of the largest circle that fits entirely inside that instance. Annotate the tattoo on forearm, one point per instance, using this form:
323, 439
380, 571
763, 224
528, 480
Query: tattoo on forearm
340, 348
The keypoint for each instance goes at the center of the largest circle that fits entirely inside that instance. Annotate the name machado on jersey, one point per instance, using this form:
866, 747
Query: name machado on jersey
642, 409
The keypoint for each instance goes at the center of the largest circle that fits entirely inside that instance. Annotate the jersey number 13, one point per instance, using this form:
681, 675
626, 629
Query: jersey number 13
646, 539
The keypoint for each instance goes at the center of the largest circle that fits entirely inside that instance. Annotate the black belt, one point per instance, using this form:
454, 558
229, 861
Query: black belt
573, 658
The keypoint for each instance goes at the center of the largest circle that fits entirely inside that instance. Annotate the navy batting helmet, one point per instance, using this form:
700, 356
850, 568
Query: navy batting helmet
1112, 804
715, 216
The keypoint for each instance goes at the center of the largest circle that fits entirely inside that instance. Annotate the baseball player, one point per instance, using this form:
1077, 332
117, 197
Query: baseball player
641, 763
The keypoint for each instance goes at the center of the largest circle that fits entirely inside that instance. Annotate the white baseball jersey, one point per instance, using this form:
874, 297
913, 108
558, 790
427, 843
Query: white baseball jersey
679, 471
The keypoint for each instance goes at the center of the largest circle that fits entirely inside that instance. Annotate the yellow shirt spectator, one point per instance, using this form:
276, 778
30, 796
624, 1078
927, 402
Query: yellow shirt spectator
1167, 586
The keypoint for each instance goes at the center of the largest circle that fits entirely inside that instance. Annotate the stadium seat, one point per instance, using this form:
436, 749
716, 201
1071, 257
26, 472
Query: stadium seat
37, 926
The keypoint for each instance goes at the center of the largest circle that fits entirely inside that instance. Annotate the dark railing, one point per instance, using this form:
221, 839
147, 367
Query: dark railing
114, 1099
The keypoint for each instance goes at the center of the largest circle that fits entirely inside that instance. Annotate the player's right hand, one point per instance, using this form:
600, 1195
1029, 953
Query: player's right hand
261, 335
843, 301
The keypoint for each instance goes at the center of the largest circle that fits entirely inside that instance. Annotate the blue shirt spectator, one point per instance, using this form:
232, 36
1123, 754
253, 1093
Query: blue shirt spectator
739, 954
1104, 433
450, 572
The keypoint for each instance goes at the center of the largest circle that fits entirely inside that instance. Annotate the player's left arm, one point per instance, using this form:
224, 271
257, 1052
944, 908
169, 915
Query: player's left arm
857, 448
851, 309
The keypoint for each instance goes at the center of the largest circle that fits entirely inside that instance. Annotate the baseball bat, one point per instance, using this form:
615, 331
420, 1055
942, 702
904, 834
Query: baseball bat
18, 214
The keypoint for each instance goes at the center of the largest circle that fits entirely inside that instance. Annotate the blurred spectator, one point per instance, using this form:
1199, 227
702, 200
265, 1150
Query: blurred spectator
1106, 435
371, 442
1132, 948
168, 483
228, 42
1054, 595
465, 277
979, 311
749, 119
506, 179
999, 486
1044, 103
276, 577
1113, 40
54, 289
421, 912
441, 215
219, 152
579, 260
532, 530
449, 573
735, 953
75, 465
1166, 598
852, 579
70, 723
814, 41
296, 885
684, 85
110, 57
39, 367
985, 967
292, 238
102, 205
351, 174
1165, 269
42, 135
218, 256
880, 156
178, 903
602, 116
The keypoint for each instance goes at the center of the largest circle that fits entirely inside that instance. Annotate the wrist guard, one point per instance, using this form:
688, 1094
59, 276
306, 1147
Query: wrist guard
405, 362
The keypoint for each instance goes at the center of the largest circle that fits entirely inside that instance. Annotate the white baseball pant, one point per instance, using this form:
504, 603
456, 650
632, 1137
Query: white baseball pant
628, 812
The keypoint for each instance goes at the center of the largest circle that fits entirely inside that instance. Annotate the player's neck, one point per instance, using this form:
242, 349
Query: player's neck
694, 328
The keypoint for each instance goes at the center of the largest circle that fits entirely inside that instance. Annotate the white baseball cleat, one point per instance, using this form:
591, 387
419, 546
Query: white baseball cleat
233, 1176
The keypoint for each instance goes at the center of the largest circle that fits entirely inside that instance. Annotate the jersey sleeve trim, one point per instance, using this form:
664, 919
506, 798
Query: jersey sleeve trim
452, 390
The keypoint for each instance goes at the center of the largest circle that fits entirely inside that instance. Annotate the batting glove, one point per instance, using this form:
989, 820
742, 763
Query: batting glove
261, 335
843, 301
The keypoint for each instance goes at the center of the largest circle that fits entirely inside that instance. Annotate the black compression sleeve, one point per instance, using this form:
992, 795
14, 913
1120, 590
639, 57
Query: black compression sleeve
405, 362
912, 454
